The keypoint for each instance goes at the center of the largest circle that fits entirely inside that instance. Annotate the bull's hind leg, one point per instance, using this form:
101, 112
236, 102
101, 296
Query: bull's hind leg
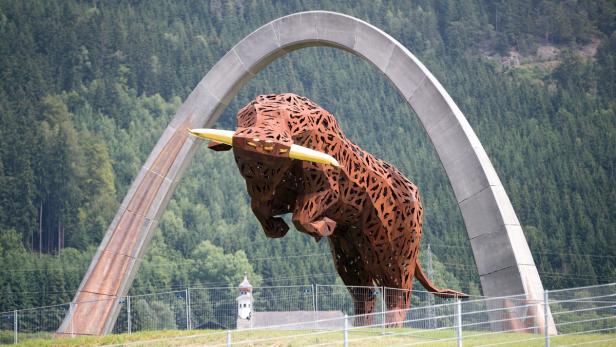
399, 283
396, 263
350, 266
398, 301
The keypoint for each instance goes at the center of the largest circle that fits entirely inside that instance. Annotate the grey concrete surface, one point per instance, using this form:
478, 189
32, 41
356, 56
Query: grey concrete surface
501, 252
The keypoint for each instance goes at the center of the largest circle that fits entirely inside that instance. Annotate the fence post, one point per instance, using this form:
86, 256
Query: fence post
316, 304
15, 326
383, 309
71, 309
128, 314
459, 321
187, 293
228, 338
346, 331
546, 309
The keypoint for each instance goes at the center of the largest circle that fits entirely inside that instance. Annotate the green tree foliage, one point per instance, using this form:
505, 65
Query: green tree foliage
87, 89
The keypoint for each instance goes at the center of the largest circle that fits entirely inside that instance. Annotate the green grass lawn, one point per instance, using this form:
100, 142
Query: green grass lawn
357, 337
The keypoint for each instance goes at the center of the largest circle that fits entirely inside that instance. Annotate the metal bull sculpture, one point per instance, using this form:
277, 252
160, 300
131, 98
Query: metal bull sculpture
295, 159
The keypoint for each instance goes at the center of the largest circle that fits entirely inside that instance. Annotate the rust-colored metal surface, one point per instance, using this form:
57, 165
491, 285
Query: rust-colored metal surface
370, 212
98, 296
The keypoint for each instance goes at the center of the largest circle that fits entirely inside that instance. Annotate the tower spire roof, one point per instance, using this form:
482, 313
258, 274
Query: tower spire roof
245, 284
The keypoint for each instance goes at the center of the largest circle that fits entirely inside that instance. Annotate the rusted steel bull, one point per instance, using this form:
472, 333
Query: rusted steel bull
295, 159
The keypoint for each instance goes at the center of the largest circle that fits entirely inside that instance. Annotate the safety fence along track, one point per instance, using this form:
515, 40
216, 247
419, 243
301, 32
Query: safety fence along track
324, 315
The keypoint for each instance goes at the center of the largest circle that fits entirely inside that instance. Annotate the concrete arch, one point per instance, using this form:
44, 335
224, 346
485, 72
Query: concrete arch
501, 253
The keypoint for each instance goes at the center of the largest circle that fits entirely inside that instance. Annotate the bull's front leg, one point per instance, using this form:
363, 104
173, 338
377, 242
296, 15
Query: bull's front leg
308, 215
274, 227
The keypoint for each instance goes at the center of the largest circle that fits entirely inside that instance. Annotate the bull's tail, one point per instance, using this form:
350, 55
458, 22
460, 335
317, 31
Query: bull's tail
443, 293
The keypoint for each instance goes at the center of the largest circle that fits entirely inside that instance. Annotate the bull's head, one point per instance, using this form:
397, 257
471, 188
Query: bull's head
263, 146
263, 158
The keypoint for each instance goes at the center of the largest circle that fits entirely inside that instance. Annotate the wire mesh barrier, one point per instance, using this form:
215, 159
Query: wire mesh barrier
512, 313
587, 309
340, 298
7, 327
448, 329
377, 299
159, 311
426, 306
40, 322
315, 315
210, 308
213, 308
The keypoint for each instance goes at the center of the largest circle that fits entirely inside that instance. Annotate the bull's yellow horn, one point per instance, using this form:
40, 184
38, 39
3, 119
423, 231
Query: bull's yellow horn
296, 151
224, 136
303, 153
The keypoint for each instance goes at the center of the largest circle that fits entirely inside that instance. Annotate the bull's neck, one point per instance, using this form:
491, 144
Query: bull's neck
348, 154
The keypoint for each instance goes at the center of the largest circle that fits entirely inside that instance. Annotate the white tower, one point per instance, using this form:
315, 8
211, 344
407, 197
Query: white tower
245, 300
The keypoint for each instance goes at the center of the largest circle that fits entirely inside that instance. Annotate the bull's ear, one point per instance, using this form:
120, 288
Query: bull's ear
218, 146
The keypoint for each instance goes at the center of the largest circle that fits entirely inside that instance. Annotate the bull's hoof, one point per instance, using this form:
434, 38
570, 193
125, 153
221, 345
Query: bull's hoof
276, 228
324, 227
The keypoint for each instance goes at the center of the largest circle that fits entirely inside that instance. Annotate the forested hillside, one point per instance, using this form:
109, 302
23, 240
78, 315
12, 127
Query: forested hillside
87, 87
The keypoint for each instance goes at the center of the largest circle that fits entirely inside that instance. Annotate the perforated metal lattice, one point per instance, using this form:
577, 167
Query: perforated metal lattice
370, 212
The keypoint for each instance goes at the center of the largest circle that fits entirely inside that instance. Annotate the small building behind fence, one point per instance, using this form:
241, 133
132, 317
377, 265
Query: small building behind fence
248, 318
244, 300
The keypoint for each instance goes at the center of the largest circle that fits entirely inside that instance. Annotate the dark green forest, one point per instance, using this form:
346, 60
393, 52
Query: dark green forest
87, 87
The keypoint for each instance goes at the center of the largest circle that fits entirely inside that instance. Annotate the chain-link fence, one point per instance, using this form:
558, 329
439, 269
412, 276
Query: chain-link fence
39, 322
320, 310
158, 311
208, 308
512, 320
582, 310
